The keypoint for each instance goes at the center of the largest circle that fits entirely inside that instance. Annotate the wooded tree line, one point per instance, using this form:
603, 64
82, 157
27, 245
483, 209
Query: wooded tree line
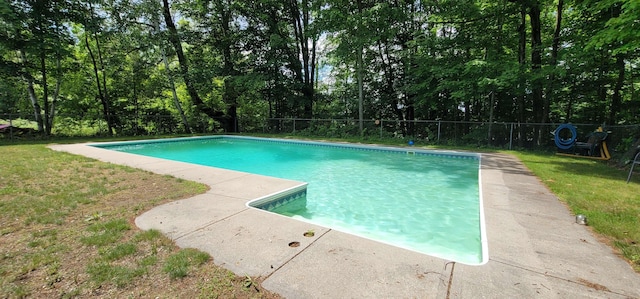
527, 61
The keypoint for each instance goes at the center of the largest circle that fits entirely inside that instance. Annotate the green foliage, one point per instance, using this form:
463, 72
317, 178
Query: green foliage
69, 126
252, 60
119, 251
148, 235
630, 250
121, 276
149, 261
179, 264
105, 233
334, 129
621, 30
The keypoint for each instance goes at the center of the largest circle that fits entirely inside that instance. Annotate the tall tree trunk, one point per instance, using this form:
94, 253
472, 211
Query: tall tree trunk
632, 91
230, 95
569, 110
360, 90
184, 66
176, 101
56, 94
231, 115
111, 118
522, 54
45, 90
102, 94
172, 85
37, 111
616, 98
359, 71
410, 116
550, 93
390, 90
105, 105
602, 90
536, 67
34, 103
492, 100
409, 52
39, 35
308, 54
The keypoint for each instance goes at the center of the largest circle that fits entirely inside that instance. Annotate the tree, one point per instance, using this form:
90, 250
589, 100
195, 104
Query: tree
306, 39
618, 33
175, 41
37, 31
216, 29
93, 29
535, 61
141, 23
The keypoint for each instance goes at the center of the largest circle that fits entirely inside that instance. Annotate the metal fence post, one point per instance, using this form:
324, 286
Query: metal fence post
381, 121
10, 127
511, 137
438, 131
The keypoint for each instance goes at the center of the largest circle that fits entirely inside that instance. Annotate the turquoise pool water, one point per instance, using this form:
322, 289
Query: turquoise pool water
419, 200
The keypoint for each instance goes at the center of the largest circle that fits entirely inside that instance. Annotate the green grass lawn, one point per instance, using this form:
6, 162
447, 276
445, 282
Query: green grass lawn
66, 225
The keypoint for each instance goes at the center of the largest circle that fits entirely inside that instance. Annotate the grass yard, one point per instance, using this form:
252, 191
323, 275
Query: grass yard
66, 225
597, 190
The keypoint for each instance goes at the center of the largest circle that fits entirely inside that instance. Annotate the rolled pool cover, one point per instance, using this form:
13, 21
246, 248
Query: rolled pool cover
565, 144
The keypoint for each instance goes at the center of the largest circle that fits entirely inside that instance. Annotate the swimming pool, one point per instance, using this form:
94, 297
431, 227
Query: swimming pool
424, 201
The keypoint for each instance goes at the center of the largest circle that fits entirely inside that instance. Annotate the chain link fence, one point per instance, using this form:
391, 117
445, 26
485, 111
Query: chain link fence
481, 134
503, 135
18, 126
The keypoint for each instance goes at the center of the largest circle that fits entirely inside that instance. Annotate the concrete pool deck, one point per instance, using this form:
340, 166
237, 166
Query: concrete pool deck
535, 247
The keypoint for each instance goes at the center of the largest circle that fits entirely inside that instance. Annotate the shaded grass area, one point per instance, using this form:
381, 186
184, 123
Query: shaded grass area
597, 190
66, 224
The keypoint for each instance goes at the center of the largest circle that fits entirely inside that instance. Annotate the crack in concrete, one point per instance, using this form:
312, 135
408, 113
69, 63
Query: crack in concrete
453, 267
207, 224
579, 281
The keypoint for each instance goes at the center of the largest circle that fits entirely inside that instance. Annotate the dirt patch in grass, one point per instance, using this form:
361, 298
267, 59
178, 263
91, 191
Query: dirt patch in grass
66, 224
